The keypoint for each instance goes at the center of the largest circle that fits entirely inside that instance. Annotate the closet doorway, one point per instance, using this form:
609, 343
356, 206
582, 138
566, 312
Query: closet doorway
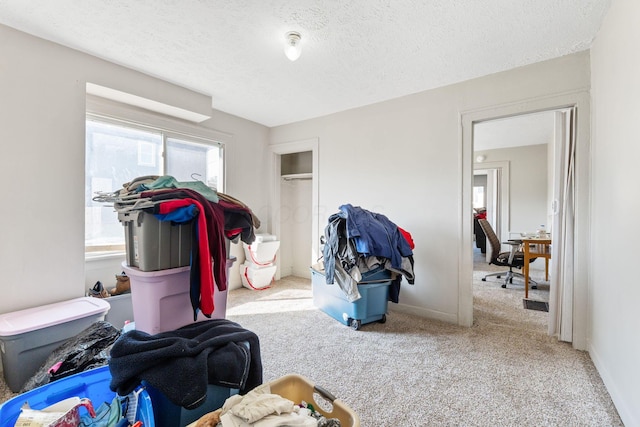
295, 206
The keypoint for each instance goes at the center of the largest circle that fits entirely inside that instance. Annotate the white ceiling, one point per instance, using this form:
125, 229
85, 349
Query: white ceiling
355, 52
529, 129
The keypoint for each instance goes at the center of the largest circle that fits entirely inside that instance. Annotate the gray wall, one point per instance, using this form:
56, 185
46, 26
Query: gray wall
42, 162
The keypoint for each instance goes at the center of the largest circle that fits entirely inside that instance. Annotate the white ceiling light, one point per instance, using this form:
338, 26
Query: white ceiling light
292, 46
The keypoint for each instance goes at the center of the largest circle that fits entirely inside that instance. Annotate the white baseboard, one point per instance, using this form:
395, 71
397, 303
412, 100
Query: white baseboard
423, 312
628, 411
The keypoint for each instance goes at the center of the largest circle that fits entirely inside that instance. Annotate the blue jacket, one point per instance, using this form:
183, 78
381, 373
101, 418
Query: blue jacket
375, 235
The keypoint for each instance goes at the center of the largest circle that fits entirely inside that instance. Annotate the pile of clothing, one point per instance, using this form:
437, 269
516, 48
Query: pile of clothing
358, 242
262, 408
182, 363
216, 216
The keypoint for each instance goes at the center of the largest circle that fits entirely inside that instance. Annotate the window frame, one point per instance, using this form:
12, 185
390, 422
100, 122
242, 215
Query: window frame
111, 112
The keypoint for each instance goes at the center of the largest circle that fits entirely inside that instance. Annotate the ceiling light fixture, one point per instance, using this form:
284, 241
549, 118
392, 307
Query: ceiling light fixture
292, 46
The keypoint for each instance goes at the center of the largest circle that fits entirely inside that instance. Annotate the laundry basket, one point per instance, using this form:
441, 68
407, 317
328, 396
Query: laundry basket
298, 388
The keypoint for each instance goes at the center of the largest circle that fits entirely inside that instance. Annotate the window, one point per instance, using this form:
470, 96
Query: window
117, 152
479, 199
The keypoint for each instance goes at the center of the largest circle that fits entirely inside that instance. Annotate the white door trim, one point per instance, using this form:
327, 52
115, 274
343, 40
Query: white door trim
504, 228
580, 100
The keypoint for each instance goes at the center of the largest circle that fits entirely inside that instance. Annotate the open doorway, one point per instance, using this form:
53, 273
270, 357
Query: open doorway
492, 179
568, 309
513, 169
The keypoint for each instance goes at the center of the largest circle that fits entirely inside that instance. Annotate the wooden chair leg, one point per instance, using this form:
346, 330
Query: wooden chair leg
546, 269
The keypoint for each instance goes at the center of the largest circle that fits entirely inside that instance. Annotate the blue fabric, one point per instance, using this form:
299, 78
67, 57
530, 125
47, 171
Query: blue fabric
375, 235
180, 215
107, 415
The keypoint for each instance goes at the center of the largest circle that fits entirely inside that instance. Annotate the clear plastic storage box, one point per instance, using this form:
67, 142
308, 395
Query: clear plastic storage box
29, 336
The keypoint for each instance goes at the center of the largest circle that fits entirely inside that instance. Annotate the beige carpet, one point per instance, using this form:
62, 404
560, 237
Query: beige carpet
411, 371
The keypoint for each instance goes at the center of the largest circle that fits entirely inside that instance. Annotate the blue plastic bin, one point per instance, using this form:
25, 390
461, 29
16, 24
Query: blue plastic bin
371, 307
168, 414
92, 384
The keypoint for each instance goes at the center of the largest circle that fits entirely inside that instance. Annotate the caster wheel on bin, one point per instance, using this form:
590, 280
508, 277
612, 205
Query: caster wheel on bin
355, 324
383, 319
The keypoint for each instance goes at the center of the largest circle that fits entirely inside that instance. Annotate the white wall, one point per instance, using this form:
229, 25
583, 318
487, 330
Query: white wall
528, 185
296, 222
403, 158
615, 292
42, 114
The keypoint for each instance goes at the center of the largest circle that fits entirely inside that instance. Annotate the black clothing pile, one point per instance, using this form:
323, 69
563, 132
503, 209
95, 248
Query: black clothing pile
181, 363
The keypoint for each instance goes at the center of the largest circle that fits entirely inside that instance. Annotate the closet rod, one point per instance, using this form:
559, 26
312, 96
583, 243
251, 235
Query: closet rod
297, 178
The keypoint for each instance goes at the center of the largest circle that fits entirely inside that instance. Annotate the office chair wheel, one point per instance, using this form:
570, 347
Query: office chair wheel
534, 286
504, 285
484, 279
497, 277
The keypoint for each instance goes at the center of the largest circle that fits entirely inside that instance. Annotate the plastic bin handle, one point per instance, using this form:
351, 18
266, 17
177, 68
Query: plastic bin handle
74, 390
324, 393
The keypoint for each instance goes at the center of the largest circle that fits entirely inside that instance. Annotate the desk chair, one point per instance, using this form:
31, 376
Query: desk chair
512, 259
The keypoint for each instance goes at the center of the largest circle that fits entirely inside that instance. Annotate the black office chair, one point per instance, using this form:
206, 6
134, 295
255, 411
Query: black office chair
512, 259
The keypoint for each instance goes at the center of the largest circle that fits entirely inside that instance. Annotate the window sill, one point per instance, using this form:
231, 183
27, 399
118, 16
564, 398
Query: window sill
104, 255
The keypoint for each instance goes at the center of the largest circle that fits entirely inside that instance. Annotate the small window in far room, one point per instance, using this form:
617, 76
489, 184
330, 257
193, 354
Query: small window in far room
118, 152
479, 199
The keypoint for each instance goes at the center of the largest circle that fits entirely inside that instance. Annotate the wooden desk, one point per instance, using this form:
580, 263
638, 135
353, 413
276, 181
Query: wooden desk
535, 247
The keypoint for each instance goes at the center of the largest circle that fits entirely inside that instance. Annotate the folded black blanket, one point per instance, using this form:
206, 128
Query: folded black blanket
183, 362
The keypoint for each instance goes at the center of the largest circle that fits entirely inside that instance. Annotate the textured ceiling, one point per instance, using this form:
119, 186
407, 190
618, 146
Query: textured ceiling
354, 52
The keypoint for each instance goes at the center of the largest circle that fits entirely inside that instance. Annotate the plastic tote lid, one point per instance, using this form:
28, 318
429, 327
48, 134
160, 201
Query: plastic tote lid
30, 319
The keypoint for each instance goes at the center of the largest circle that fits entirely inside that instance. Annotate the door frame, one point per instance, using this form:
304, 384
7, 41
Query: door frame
502, 214
277, 150
580, 100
